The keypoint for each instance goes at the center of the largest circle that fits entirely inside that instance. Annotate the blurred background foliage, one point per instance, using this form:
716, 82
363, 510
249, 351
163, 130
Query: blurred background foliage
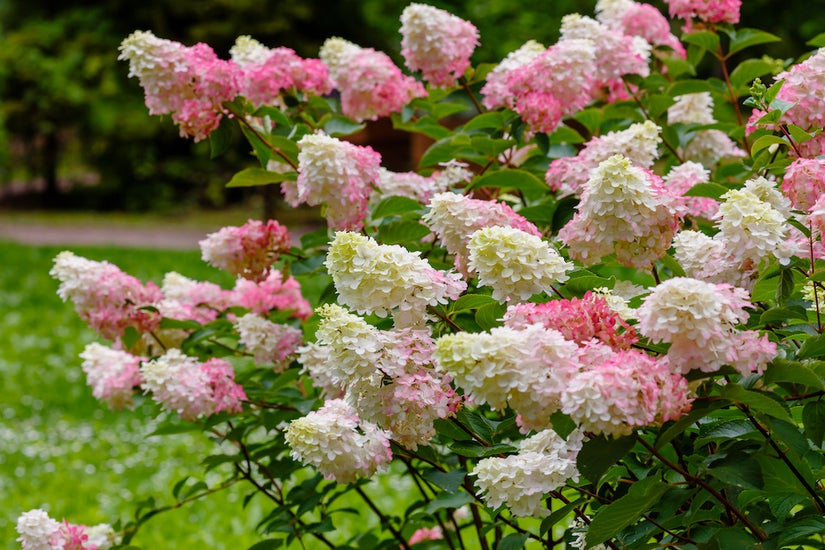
74, 132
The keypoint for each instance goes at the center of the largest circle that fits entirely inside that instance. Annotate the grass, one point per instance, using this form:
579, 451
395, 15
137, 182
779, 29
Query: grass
63, 451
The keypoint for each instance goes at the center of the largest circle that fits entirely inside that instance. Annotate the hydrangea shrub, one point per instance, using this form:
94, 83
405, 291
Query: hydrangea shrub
591, 317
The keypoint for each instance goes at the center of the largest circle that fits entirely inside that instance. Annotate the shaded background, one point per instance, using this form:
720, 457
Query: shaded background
75, 134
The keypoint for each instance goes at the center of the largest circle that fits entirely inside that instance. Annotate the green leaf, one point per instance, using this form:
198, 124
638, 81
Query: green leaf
493, 119
700, 409
706, 40
490, 316
799, 529
813, 418
748, 70
798, 134
756, 401
473, 449
339, 125
539, 215
510, 179
600, 453
786, 285
277, 116
792, 371
734, 537
738, 469
491, 147
471, 301
812, 347
253, 177
445, 150
449, 481
817, 41
780, 316
684, 87
514, 541
611, 519
745, 38
130, 337
220, 138
766, 141
402, 232
394, 206
448, 500
580, 285
268, 544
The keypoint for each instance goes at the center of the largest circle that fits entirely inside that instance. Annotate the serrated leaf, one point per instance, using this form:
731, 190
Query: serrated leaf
611, 519
514, 541
448, 481
812, 347
794, 372
745, 38
756, 401
510, 179
748, 70
766, 141
739, 470
394, 206
448, 500
471, 301
253, 177
600, 453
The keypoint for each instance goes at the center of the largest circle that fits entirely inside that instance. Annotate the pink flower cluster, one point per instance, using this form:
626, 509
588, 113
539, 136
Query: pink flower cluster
709, 11
273, 293
437, 43
370, 84
335, 173
104, 296
678, 181
636, 19
248, 250
112, 374
454, 218
804, 182
699, 320
264, 74
192, 389
417, 187
578, 319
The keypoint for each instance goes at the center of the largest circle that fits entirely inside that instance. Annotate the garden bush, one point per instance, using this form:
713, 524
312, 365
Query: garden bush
590, 318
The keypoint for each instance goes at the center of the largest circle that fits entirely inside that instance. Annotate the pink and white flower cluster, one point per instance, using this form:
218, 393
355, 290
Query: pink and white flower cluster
437, 43
248, 250
112, 374
637, 19
337, 174
269, 342
709, 11
708, 146
338, 443
40, 532
417, 187
370, 84
699, 320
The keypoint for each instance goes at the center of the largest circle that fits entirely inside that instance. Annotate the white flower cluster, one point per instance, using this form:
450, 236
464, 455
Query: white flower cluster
514, 263
544, 463
36, 530
248, 51
269, 342
335, 441
708, 146
374, 278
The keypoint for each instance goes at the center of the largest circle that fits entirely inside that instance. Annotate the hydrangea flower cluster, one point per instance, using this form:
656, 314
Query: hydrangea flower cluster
112, 374
678, 181
247, 250
638, 143
335, 173
496, 90
544, 463
375, 278
804, 88
184, 298
338, 443
106, 298
577, 319
437, 43
707, 146
40, 532
622, 211
454, 218
264, 74
188, 82
273, 293
370, 84
636, 19
804, 182
699, 320
269, 342
514, 263
709, 11
191, 389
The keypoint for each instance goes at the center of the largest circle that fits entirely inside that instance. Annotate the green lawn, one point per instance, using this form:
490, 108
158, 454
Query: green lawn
63, 451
